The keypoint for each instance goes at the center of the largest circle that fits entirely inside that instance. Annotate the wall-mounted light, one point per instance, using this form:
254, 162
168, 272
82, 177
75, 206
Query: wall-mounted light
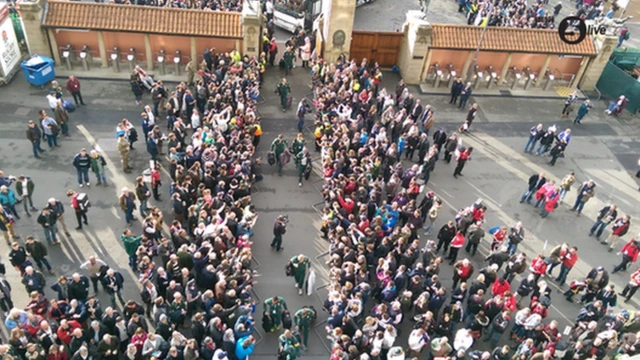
83, 56
114, 59
132, 54
114, 54
176, 61
84, 52
67, 51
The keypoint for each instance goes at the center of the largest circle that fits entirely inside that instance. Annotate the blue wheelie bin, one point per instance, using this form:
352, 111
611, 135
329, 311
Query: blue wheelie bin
38, 70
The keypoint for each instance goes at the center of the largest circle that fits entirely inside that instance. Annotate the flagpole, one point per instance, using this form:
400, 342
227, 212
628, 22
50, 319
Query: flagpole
472, 67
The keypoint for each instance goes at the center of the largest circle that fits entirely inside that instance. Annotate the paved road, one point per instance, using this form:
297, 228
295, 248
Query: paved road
603, 149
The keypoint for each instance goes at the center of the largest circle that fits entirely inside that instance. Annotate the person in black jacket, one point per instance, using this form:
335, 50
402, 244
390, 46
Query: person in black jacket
456, 89
38, 253
47, 219
445, 235
606, 215
597, 279
545, 141
535, 182
279, 229
6, 303
450, 147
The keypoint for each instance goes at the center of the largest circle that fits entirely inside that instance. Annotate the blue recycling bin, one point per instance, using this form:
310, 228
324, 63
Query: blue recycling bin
38, 70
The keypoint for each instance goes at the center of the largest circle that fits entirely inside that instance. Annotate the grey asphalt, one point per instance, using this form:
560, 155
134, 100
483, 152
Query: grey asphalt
604, 149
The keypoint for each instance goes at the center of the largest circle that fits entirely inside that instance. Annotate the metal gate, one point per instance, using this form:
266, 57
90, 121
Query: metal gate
380, 47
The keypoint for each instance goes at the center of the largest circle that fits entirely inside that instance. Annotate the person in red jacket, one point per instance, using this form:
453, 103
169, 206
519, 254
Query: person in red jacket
538, 267
619, 229
632, 286
73, 86
65, 331
629, 255
462, 159
155, 183
81, 214
347, 203
568, 260
500, 286
462, 271
454, 246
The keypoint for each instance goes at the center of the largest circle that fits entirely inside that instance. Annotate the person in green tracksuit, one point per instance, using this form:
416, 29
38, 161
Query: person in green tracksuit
297, 144
289, 345
288, 57
300, 266
283, 89
131, 244
303, 319
275, 306
278, 146
303, 159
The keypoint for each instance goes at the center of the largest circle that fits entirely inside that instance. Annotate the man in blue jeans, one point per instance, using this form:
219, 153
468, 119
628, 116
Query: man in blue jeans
50, 127
47, 219
587, 191
535, 182
606, 215
38, 253
34, 135
82, 163
127, 204
568, 261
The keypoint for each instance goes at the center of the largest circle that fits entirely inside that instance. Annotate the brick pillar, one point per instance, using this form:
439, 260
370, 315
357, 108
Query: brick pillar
251, 25
413, 56
31, 13
590, 74
338, 27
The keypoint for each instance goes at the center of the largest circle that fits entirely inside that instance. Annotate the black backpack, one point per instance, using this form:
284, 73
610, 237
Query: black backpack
286, 320
83, 201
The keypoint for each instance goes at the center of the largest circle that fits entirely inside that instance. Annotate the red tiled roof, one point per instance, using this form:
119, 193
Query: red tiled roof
507, 39
142, 19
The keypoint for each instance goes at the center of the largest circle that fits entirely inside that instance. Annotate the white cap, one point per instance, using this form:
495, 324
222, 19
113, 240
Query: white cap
125, 189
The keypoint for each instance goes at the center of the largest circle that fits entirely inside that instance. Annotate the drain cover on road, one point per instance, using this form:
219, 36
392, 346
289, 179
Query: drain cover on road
22, 111
505, 93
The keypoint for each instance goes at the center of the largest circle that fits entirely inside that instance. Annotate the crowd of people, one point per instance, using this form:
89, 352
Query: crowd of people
377, 149
207, 5
378, 209
193, 266
536, 15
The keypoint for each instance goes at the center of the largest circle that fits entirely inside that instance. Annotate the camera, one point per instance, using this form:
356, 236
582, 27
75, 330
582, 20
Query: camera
285, 219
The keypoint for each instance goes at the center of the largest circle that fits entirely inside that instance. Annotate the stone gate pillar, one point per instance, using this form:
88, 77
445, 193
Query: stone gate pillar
415, 45
251, 25
338, 27
31, 13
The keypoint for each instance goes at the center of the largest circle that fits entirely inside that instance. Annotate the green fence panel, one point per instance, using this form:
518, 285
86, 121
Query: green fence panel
625, 56
614, 82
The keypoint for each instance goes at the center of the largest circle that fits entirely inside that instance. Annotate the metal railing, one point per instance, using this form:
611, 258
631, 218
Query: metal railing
322, 323
591, 94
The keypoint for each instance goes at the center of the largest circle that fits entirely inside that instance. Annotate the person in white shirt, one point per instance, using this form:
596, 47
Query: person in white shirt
53, 101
